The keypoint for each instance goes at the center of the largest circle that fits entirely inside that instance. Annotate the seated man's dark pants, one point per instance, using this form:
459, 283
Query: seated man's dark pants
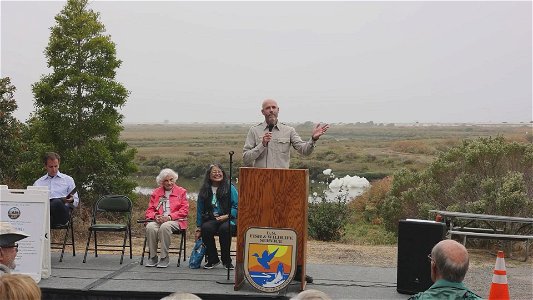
59, 212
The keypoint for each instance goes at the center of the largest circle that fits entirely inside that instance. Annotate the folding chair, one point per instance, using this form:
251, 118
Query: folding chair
119, 207
174, 250
68, 228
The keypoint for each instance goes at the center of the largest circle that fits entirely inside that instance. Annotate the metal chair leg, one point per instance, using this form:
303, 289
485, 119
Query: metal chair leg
95, 245
527, 250
129, 233
144, 251
124, 246
87, 246
179, 251
72, 237
185, 245
64, 243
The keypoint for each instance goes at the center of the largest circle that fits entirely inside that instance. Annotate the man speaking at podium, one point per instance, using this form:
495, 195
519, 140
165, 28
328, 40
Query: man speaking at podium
61, 188
268, 145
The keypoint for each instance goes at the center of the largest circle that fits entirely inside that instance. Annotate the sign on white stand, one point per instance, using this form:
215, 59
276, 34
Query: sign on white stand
29, 211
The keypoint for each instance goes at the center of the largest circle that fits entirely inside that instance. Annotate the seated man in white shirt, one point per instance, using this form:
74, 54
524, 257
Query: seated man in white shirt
60, 187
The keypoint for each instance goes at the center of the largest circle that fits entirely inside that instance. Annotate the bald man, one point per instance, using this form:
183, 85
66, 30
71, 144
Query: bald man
268, 143
268, 146
449, 263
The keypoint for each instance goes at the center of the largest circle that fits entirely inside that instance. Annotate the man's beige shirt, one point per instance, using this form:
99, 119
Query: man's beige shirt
277, 154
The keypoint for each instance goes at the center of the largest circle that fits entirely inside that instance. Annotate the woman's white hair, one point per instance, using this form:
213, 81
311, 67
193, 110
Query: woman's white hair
164, 173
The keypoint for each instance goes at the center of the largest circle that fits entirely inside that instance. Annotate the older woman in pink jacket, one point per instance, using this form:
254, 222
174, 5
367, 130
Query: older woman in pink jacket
168, 208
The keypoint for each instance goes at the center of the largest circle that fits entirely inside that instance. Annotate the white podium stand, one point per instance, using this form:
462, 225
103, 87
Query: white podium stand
29, 211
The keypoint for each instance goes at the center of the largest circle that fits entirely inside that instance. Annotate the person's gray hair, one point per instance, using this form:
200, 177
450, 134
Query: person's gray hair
181, 296
450, 269
311, 294
164, 173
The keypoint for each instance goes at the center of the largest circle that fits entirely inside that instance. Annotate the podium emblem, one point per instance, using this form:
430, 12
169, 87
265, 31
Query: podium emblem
269, 257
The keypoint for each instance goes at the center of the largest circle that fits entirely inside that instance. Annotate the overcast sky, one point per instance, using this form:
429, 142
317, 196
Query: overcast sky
354, 61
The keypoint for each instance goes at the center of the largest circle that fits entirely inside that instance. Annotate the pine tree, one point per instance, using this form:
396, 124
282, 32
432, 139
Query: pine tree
76, 105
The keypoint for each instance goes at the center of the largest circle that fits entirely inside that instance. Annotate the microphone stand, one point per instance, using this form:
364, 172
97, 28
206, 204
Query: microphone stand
266, 157
228, 281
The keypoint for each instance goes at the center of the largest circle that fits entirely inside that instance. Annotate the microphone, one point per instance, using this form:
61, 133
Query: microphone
270, 127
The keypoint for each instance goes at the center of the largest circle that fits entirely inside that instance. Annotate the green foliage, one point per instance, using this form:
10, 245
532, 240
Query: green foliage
315, 167
368, 206
486, 175
76, 105
412, 146
327, 219
365, 224
370, 175
10, 134
368, 234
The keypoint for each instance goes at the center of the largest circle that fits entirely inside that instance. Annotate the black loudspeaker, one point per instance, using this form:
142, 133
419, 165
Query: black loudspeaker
416, 238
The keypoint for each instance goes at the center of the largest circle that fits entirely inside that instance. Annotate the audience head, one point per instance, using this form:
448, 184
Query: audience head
19, 287
270, 110
9, 237
51, 162
181, 296
311, 295
449, 261
167, 178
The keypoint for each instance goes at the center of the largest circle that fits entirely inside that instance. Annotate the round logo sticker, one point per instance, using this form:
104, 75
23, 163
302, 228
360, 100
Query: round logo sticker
13, 213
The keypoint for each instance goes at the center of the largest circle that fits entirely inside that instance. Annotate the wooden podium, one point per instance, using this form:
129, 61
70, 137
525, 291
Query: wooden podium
274, 198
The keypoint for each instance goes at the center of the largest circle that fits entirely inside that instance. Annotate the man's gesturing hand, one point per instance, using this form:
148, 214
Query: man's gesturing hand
319, 130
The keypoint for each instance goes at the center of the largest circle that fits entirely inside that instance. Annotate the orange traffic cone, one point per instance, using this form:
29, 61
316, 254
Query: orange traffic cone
499, 288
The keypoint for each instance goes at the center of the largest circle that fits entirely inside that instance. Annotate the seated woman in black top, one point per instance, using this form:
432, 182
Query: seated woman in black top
213, 213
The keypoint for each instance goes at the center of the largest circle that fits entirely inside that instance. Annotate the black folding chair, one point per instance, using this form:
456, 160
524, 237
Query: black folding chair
68, 228
174, 250
117, 207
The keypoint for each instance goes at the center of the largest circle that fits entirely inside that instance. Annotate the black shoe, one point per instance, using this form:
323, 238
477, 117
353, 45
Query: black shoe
229, 266
308, 278
211, 265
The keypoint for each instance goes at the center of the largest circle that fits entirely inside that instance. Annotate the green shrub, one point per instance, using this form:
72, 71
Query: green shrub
368, 234
486, 175
328, 219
